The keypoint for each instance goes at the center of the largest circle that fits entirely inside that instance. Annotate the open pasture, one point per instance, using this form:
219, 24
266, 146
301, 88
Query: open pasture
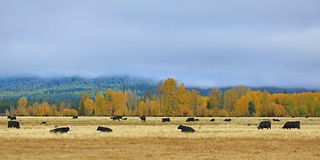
134, 139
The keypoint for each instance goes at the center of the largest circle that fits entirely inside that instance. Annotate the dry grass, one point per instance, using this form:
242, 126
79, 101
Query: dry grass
133, 139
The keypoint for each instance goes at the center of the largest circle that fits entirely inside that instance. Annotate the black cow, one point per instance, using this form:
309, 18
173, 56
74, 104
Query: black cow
190, 120
278, 120
165, 120
196, 119
186, 128
75, 117
12, 118
45, 123
227, 120
143, 118
116, 118
264, 124
212, 120
61, 130
293, 124
13, 124
104, 129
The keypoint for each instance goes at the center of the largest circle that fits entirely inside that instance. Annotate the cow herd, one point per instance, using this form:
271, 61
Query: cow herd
12, 123
287, 125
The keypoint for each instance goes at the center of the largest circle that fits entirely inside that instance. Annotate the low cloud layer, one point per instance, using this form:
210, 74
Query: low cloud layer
199, 43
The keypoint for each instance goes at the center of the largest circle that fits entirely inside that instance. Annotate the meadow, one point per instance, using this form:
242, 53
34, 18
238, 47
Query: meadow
134, 139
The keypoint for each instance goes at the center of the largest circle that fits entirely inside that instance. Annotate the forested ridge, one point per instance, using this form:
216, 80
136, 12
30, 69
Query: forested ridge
64, 89
123, 95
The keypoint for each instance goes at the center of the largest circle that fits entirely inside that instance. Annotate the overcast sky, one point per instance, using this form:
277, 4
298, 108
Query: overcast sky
206, 43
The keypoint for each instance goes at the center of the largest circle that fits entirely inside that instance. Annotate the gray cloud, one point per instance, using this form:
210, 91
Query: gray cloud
203, 43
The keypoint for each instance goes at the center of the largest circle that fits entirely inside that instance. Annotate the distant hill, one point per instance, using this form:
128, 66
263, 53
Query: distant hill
70, 89
66, 89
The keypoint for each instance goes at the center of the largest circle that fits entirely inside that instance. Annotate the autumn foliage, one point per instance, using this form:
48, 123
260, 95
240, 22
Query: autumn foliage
172, 100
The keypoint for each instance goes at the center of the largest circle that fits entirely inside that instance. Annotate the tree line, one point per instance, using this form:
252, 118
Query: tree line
169, 99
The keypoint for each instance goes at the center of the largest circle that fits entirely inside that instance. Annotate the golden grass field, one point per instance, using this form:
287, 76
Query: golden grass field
134, 139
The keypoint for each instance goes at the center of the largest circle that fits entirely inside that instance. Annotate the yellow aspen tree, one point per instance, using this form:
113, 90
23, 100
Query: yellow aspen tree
23, 101
297, 103
21, 109
132, 102
155, 109
255, 103
88, 105
106, 108
189, 105
230, 99
314, 109
306, 103
203, 103
317, 107
109, 98
142, 109
278, 98
195, 99
181, 101
124, 102
119, 101
214, 104
264, 109
242, 106
35, 107
279, 110
98, 104
54, 110
39, 110
168, 96
241, 90
289, 104
46, 109
30, 111
82, 110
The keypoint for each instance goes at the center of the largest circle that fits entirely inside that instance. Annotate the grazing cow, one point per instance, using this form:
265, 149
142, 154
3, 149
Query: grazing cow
165, 120
278, 120
61, 130
212, 120
143, 118
13, 118
13, 124
264, 124
307, 116
75, 117
293, 124
293, 116
190, 120
104, 129
227, 120
9, 117
186, 128
45, 123
116, 118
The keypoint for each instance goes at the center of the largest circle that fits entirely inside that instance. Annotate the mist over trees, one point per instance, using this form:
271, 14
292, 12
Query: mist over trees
170, 99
